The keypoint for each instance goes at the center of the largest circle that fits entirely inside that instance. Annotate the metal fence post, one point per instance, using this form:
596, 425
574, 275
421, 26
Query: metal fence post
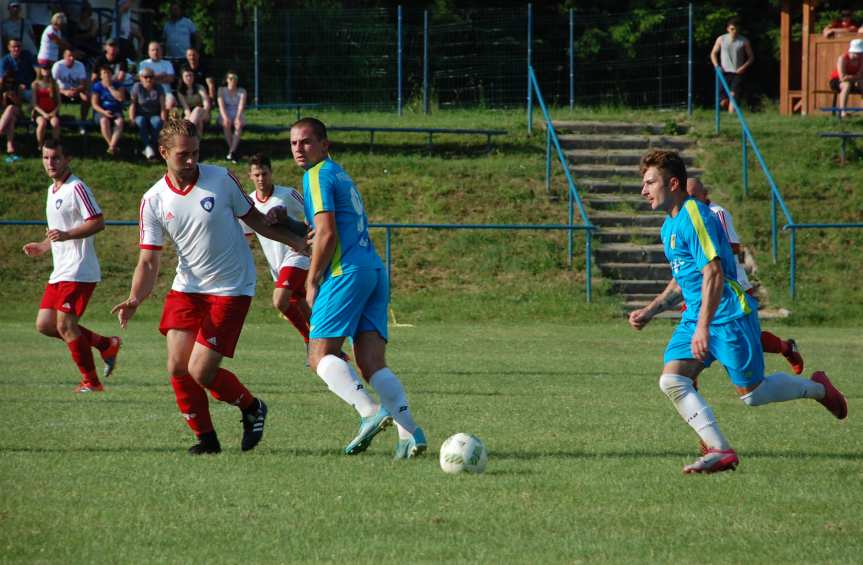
744, 156
529, 57
716, 109
389, 255
689, 67
548, 160
257, 73
793, 273
571, 59
399, 60
426, 62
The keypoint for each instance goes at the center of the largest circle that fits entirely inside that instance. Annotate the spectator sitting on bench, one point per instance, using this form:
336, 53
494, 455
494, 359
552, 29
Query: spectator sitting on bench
844, 24
10, 107
197, 66
20, 63
232, 106
163, 71
71, 76
848, 75
148, 111
195, 100
107, 99
46, 105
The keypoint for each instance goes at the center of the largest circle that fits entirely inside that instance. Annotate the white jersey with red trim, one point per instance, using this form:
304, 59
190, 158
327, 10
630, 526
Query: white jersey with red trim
201, 219
69, 206
278, 254
724, 218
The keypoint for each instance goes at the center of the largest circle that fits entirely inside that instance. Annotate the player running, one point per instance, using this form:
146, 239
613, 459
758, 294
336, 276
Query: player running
348, 291
720, 322
197, 206
74, 217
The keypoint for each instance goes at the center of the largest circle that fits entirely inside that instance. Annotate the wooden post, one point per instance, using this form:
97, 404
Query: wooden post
804, 66
784, 59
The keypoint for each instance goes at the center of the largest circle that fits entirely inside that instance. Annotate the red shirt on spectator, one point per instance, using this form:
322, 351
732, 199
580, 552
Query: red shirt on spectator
852, 66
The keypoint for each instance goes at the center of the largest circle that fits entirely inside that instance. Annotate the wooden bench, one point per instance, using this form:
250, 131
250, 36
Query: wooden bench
845, 136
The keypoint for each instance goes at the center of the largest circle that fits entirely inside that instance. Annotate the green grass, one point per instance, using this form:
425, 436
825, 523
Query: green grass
585, 457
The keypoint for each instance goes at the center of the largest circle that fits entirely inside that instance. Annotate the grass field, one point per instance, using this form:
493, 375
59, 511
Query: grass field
585, 457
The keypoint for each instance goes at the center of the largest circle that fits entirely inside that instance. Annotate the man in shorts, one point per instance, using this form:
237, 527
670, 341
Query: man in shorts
348, 291
720, 322
74, 217
197, 206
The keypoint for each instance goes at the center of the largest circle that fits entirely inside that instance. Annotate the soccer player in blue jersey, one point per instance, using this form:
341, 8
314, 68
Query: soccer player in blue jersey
348, 291
720, 321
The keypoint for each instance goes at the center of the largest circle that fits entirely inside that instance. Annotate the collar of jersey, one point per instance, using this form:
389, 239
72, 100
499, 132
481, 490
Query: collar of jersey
264, 201
55, 188
185, 190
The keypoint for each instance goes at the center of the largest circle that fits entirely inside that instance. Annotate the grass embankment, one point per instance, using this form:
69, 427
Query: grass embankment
471, 274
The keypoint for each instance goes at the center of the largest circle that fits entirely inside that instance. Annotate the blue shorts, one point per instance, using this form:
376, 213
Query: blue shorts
735, 344
351, 303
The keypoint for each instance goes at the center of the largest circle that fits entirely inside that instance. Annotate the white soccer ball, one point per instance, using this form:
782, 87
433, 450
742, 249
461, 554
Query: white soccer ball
463, 452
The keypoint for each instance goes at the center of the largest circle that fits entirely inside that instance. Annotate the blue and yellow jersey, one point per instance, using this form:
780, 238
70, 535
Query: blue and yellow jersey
691, 240
328, 188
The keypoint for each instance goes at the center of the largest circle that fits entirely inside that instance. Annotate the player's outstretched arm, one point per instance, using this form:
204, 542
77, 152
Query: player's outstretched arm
665, 300
37, 248
292, 234
143, 281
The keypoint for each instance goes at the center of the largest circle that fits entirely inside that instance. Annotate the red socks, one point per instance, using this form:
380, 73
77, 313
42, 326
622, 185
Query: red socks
772, 343
83, 358
297, 319
193, 404
228, 388
95, 340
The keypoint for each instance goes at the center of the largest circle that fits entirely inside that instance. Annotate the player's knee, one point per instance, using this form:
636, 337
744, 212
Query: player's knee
177, 366
675, 387
46, 327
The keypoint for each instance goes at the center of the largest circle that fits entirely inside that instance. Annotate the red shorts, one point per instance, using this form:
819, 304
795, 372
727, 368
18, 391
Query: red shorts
218, 320
67, 296
294, 279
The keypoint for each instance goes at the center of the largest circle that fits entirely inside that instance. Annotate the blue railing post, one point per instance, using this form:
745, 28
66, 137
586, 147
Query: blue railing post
744, 157
716, 109
689, 66
571, 59
389, 255
257, 31
548, 160
793, 274
588, 266
569, 236
529, 64
426, 62
774, 244
399, 60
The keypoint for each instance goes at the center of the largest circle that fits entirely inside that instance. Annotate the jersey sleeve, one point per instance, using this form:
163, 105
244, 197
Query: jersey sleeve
702, 235
728, 225
322, 187
246, 229
240, 202
87, 205
150, 234
295, 205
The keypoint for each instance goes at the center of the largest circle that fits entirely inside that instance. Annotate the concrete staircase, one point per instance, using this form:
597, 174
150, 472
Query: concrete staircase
604, 159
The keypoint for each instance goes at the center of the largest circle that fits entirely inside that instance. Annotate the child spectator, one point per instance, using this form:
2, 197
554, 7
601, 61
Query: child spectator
148, 111
195, 100
232, 107
71, 76
107, 100
46, 105
52, 40
10, 107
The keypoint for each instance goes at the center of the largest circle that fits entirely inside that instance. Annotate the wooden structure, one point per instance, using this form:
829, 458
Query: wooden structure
804, 79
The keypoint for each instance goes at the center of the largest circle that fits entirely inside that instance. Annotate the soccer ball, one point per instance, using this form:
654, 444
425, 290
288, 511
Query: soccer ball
463, 452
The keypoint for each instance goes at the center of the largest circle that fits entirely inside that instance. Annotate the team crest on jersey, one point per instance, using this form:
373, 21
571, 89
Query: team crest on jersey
208, 203
58, 203
673, 241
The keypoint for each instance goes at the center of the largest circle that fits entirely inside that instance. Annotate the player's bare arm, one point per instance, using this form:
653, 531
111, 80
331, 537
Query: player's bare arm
143, 281
711, 294
279, 215
281, 232
86, 229
323, 249
665, 300
37, 248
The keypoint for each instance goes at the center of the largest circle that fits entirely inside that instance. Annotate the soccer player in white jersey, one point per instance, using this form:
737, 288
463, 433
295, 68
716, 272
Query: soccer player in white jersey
74, 217
287, 267
197, 207
770, 342
720, 322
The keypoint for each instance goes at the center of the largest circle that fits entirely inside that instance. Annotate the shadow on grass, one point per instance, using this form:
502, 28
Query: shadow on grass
532, 456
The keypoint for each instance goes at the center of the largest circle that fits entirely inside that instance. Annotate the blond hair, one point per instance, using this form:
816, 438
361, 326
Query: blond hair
176, 127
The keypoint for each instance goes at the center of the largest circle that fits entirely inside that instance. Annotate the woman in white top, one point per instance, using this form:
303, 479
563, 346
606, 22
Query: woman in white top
232, 106
52, 40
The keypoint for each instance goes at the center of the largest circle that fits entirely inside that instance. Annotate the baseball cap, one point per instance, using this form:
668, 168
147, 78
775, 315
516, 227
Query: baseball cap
856, 46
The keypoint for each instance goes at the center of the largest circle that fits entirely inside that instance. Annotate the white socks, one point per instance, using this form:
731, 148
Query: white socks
780, 387
343, 382
394, 399
693, 409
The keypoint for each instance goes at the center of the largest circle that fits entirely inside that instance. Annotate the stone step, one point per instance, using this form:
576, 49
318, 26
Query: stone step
639, 142
618, 157
621, 128
643, 219
632, 271
617, 202
606, 186
645, 286
643, 299
630, 253
629, 173
629, 306
628, 234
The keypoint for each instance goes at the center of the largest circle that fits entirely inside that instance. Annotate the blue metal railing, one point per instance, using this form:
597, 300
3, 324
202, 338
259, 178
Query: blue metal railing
747, 139
572, 190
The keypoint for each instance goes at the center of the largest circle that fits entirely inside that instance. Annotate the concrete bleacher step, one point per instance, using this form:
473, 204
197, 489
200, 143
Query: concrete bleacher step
613, 128
642, 219
617, 157
627, 234
606, 186
630, 203
630, 271
640, 286
630, 253
622, 141
605, 171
